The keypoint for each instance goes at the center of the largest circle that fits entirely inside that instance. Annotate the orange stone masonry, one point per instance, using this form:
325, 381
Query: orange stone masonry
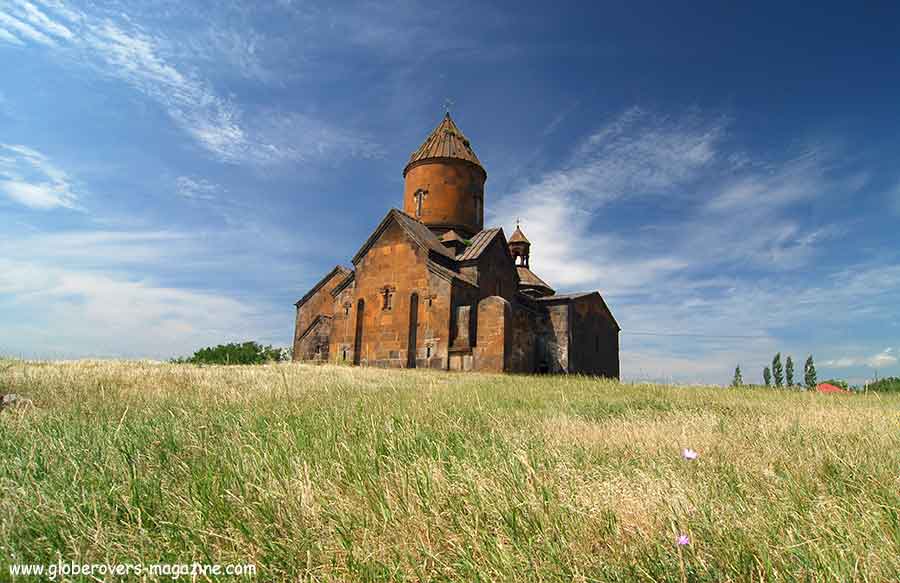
467, 301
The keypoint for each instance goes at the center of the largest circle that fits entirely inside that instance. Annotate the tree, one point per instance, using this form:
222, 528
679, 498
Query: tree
886, 385
738, 379
767, 377
789, 371
809, 373
778, 370
235, 353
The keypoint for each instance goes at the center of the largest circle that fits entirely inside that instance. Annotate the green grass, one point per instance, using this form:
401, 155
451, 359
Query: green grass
335, 473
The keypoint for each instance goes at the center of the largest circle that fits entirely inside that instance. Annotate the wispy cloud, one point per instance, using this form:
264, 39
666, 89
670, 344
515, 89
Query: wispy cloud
83, 313
716, 207
195, 188
636, 155
29, 178
20, 29
886, 357
117, 46
9, 38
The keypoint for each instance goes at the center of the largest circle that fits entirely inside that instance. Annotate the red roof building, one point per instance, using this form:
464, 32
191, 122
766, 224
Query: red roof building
829, 388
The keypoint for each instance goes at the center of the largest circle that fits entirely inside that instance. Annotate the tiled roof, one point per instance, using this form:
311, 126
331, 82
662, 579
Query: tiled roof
451, 235
518, 236
449, 274
422, 234
415, 229
527, 278
478, 244
446, 141
337, 270
564, 297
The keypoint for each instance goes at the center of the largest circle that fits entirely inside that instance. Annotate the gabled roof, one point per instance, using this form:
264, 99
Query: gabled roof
527, 278
451, 235
416, 230
341, 285
338, 269
446, 141
577, 296
478, 244
318, 319
449, 274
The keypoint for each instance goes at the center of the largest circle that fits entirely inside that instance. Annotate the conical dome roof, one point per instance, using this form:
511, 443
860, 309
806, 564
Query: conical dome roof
518, 236
446, 141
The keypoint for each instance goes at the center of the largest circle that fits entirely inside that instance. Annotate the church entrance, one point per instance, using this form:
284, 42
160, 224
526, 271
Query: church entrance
357, 340
413, 324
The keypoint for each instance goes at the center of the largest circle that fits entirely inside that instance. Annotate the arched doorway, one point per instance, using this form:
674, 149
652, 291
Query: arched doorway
413, 325
357, 340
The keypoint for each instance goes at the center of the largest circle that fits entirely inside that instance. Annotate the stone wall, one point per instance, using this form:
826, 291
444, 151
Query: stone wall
595, 338
492, 348
314, 345
455, 195
319, 304
399, 266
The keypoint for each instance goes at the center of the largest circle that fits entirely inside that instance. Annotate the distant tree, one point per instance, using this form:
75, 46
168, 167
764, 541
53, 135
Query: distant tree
738, 380
809, 373
767, 377
236, 353
885, 385
778, 370
789, 371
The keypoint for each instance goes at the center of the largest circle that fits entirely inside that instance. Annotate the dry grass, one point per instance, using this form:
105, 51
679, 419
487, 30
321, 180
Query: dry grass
334, 473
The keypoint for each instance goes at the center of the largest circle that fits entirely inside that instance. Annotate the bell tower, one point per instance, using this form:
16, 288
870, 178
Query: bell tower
519, 247
444, 182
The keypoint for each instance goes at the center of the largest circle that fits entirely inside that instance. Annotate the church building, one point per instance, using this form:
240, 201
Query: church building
432, 288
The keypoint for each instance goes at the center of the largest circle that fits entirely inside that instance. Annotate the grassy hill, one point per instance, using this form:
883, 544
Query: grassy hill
334, 473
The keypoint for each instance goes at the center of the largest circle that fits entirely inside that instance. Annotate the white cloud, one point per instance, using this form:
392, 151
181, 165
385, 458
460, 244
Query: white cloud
8, 37
885, 358
635, 155
29, 178
97, 249
40, 20
25, 30
675, 274
195, 188
116, 46
84, 313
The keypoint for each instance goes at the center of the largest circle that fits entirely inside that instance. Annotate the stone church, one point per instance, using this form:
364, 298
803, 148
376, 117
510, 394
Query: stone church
431, 287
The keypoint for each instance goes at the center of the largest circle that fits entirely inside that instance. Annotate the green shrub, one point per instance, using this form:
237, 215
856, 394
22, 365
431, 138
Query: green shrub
886, 385
236, 353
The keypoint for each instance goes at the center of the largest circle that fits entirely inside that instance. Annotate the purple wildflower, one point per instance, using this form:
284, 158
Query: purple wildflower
683, 540
689, 454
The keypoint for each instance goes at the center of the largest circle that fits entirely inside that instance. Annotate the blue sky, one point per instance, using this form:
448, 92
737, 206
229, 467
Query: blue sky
175, 174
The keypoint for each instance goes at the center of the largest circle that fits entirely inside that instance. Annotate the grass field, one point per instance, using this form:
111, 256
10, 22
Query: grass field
334, 473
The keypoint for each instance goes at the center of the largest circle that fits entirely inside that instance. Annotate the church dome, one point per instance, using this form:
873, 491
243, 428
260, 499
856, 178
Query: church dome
445, 141
444, 182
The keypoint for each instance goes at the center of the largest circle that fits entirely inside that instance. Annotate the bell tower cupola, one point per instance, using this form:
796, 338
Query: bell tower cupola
529, 283
519, 247
444, 182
